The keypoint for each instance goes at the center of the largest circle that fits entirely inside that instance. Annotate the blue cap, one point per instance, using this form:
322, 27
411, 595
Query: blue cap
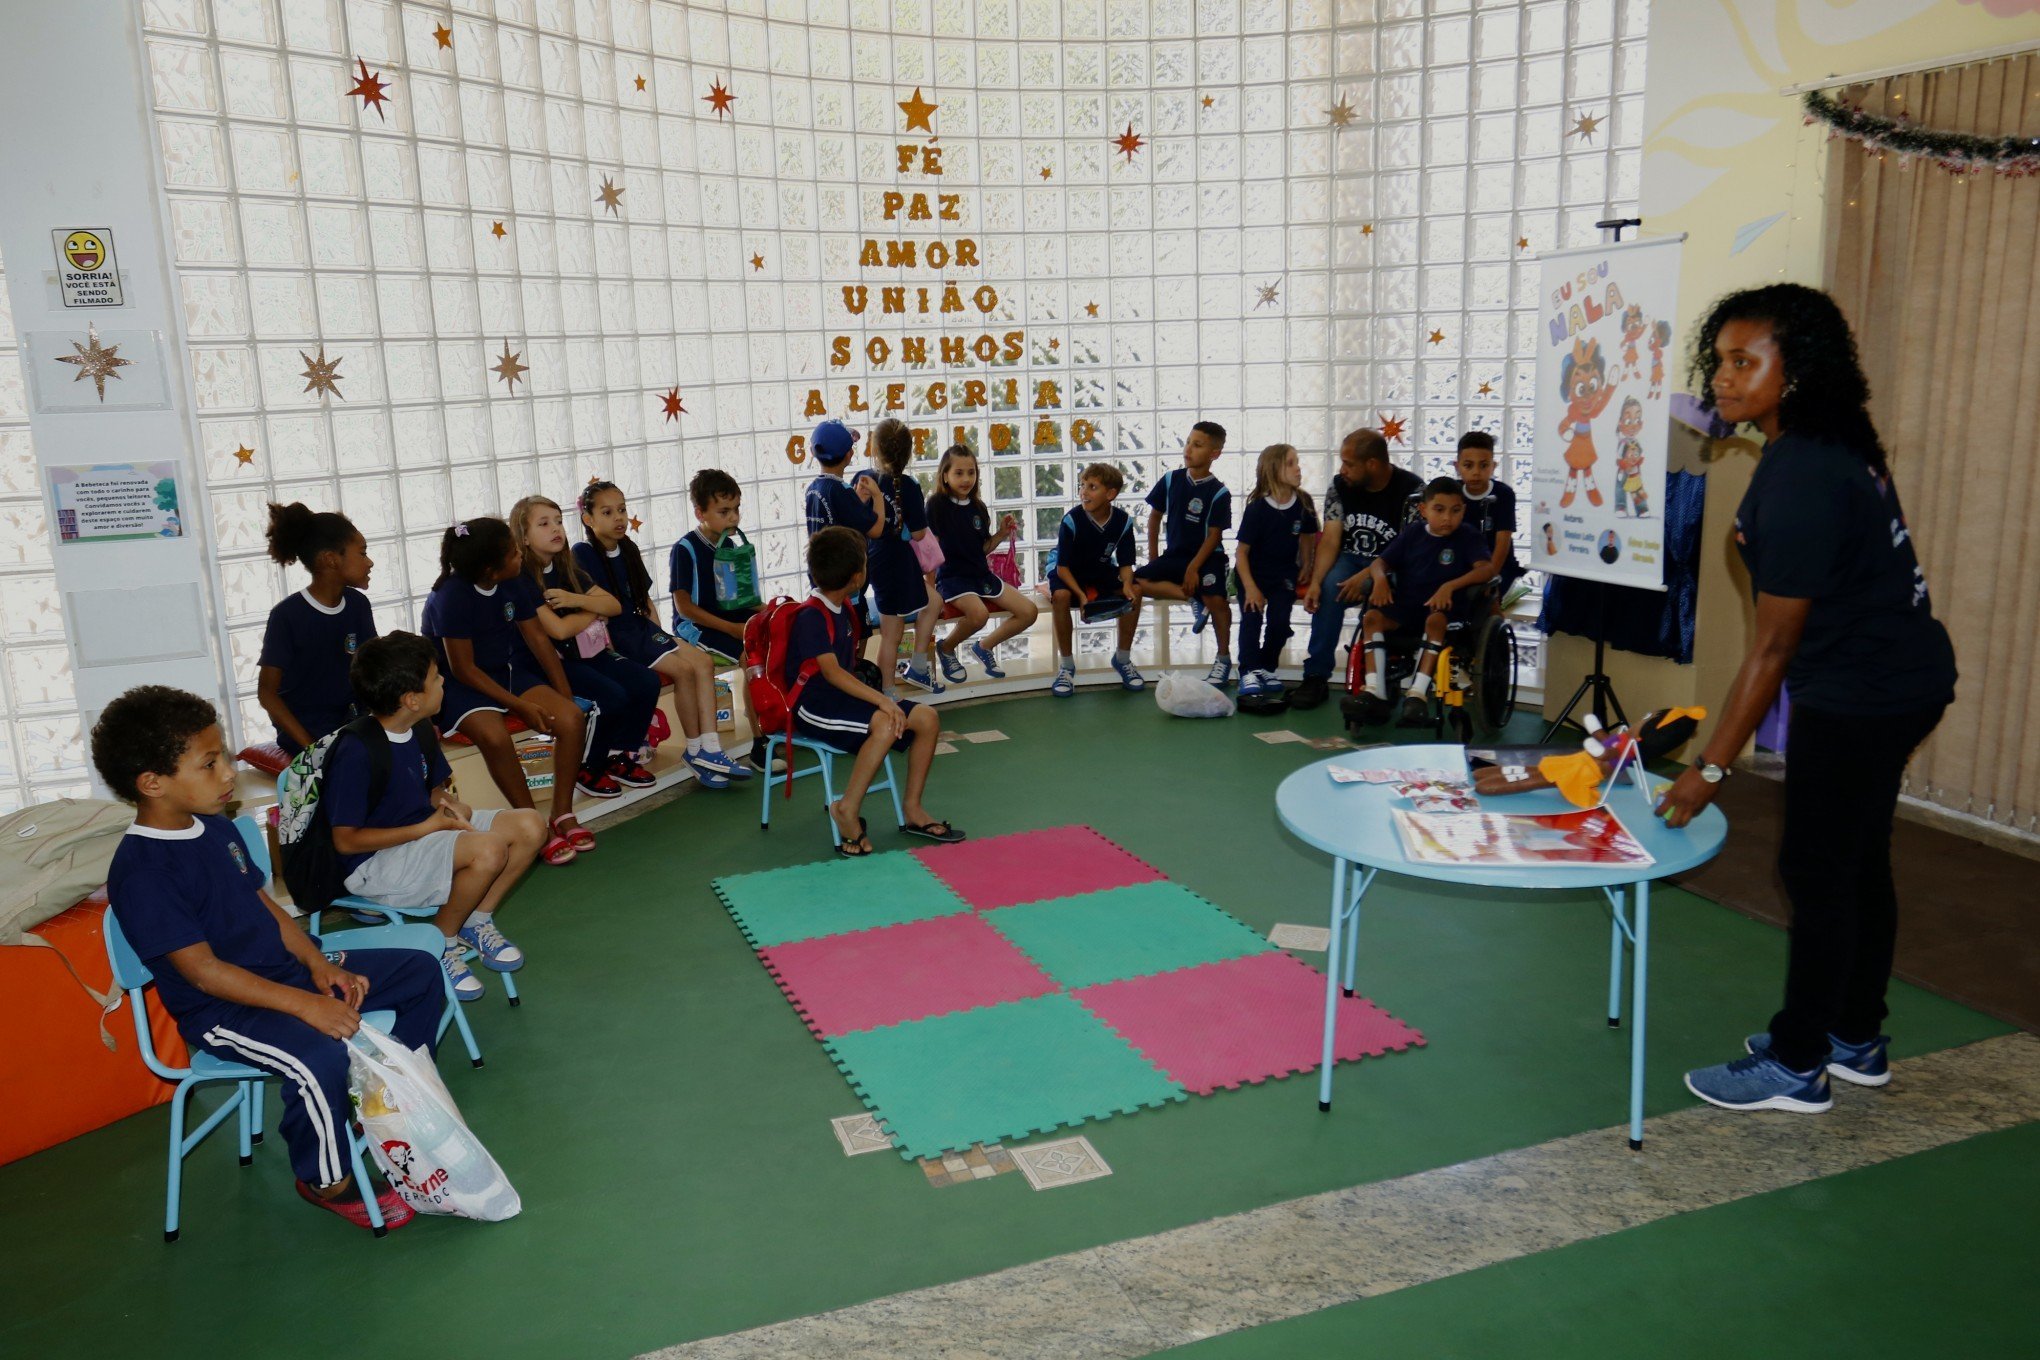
832, 441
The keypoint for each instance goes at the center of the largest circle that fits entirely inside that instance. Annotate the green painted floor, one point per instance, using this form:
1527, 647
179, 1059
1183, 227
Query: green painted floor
665, 1114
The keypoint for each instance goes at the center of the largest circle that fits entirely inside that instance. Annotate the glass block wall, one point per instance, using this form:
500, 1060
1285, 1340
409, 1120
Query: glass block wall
554, 239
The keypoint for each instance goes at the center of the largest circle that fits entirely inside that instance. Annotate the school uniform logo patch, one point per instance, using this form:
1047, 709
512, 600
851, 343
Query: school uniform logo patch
240, 856
353, 643
1448, 557
509, 612
1196, 506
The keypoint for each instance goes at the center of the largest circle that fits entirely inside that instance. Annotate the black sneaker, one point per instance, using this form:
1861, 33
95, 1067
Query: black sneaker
1415, 712
1313, 690
1366, 709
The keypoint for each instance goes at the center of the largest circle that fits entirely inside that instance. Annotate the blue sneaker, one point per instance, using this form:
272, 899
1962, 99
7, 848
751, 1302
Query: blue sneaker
1129, 678
952, 669
1865, 1064
910, 674
729, 769
1199, 616
466, 986
1065, 683
482, 936
980, 654
1250, 684
1761, 1082
1220, 673
707, 772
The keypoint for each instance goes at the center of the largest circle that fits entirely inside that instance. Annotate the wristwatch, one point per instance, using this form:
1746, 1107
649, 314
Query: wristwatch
1710, 772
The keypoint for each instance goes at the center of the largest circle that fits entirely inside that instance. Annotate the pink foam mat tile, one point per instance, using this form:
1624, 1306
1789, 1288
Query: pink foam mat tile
1034, 866
841, 984
1244, 1020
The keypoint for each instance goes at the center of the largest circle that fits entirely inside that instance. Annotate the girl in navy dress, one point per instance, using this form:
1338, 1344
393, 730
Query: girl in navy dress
312, 636
570, 608
902, 589
611, 559
963, 526
482, 617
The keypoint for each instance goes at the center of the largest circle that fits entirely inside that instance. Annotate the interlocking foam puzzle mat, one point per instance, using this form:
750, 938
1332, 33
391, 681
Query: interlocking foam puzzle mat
1001, 988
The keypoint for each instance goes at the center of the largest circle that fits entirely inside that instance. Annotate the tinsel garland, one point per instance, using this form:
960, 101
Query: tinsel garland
1962, 152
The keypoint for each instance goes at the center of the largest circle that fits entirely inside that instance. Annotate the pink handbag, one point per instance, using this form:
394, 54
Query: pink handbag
1005, 563
927, 551
593, 640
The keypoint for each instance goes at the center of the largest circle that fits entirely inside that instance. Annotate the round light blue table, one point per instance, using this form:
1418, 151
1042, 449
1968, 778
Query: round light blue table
1353, 823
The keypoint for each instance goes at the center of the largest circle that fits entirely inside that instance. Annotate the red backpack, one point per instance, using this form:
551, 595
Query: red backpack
768, 644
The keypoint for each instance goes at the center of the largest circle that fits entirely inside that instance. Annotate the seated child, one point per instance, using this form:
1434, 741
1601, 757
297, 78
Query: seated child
901, 589
1278, 534
699, 615
1435, 560
1094, 559
241, 978
481, 616
610, 557
963, 526
1490, 504
416, 844
1196, 508
624, 693
302, 683
843, 713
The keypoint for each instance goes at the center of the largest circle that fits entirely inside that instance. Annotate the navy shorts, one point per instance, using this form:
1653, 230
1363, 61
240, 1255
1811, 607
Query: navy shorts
840, 721
1092, 587
987, 586
460, 702
1411, 615
900, 593
638, 638
1172, 569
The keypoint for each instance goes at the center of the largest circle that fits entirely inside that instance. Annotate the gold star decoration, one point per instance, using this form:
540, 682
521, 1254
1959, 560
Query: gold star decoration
1437, 337
757, 262
1342, 112
496, 230
509, 370
674, 408
1047, 173
636, 524
444, 35
1583, 126
244, 455
640, 80
1209, 101
1391, 428
919, 111
1091, 308
370, 90
1366, 228
719, 97
1522, 243
1055, 344
1128, 143
610, 195
94, 360
1486, 389
1268, 294
322, 375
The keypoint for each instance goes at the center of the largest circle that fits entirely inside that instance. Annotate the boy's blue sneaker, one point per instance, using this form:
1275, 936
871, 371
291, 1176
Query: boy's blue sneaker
1129, 678
1250, 684
1865, 1064
1220, 673
952, 669
466, 986
730, 769
1199, 615
980, 654
910, 674
706, 772
482, 936
1761, 1082
1065, 683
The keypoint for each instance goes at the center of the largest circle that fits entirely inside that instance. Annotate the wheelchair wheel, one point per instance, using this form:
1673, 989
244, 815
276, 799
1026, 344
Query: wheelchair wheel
1491, 676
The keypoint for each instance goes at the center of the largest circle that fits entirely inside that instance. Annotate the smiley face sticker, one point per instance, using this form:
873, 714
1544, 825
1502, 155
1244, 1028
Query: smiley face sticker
84, 251
86, 267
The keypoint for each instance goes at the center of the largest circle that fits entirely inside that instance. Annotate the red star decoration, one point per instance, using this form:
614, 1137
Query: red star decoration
1128, 143
719, 98
757, 262
369, 90
636, 524
674, 410
444, 35
1391, 428
496, 230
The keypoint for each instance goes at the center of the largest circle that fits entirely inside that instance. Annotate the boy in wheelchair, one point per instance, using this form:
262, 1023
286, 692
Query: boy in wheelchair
1439, 561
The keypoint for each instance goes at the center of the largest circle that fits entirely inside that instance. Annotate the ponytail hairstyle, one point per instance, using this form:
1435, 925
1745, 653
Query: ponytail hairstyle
950, 456
1265, 468
892, 445
635, 590
298, 533
520, 531
472, 550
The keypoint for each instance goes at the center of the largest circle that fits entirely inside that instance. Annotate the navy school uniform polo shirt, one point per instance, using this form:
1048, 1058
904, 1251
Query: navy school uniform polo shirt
488, 620
1423, 561
313, 646
1190, 509
831, 500
407, 796
1094, 552
690, 570
1273, 537
961, 528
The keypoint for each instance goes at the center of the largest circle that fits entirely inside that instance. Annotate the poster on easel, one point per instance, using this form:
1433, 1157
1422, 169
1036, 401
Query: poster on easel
1606, 366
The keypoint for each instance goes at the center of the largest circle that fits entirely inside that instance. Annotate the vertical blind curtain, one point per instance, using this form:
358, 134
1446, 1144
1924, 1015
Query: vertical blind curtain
1936, 272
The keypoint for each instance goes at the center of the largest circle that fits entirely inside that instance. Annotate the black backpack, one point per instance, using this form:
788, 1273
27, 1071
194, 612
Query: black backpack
310, 866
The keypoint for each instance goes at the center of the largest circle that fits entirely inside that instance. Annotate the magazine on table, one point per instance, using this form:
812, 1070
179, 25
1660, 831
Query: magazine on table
1594, 836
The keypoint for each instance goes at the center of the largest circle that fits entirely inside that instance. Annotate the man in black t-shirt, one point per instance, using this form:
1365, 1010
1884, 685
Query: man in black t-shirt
1364, 509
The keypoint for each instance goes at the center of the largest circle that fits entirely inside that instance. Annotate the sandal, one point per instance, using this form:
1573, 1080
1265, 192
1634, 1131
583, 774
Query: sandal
557, 851
578, 836
845, 847
942, 832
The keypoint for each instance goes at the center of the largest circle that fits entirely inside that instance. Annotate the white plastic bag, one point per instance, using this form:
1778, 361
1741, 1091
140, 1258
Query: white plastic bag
415, 1132
1185, 696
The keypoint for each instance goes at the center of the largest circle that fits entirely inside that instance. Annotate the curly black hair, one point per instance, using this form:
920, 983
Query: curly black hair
145, 731
1826, 395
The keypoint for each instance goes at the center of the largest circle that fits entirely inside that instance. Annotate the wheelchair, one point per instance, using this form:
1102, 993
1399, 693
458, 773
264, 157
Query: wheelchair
1475, 687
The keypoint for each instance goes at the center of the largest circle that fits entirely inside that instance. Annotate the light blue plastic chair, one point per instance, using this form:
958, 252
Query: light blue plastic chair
257, 846
825, 766
132, 977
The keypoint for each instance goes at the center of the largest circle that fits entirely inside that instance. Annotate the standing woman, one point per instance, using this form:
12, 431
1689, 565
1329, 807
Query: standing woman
1843, 615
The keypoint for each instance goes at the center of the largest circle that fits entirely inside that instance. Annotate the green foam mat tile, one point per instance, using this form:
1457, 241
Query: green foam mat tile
996, 1074
1124, 932
832, 897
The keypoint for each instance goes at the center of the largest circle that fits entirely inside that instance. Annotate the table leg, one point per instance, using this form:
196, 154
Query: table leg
1617, 928
1359, 891
1640, 1001
1324, 1099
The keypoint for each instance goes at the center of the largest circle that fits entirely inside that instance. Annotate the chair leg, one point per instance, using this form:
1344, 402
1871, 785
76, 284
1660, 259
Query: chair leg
454, 1016
255, 1112
510, 992
174, 1198
829, 794
242, 1119
766, 779
362, 1183
892, 785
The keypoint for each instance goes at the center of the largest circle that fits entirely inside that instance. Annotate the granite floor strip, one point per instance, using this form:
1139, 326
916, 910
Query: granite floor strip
1132, 1298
